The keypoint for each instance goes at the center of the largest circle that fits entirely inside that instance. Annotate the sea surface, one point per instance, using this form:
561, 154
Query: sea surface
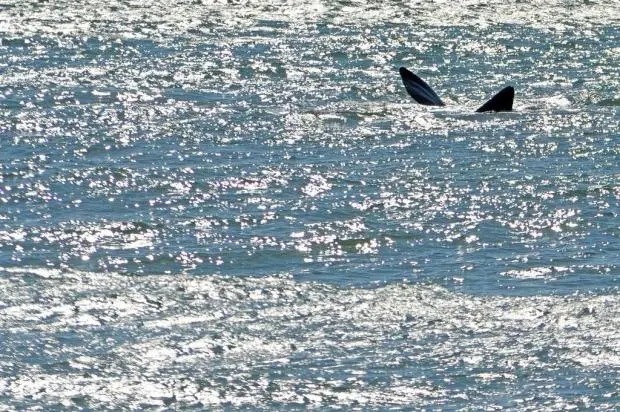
236, 205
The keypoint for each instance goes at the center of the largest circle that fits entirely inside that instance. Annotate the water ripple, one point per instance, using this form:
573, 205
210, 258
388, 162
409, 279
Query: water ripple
291, 343
245, 189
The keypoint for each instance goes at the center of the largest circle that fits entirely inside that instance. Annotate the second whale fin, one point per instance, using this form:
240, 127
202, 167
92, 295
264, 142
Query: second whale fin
419, 90
501, 102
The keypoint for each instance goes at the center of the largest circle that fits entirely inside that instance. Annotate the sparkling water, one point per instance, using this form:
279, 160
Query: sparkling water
211, 204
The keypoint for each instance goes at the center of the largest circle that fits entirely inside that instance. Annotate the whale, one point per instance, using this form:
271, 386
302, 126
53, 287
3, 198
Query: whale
423, 94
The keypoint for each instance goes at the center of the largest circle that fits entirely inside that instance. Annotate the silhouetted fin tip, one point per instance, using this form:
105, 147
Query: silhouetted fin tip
501, 102
418, 89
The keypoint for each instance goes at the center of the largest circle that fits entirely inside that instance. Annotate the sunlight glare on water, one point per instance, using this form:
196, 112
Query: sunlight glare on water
210, 204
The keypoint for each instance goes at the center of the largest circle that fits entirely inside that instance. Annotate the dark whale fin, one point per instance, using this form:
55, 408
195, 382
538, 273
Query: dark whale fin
419, 90
501, 102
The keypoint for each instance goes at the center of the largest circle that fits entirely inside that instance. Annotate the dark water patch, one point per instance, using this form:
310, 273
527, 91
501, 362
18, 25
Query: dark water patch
609, 102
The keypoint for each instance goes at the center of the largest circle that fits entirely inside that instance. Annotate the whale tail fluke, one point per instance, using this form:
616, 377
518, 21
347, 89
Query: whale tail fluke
419, 90
423, 94
501, 102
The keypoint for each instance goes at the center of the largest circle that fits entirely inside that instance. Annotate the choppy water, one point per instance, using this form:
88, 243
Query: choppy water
209, 204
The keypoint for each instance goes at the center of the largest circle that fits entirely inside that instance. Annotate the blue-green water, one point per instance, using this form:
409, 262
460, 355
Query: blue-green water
237, 205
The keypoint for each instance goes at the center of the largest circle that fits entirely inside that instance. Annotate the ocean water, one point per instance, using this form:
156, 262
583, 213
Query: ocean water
236, 205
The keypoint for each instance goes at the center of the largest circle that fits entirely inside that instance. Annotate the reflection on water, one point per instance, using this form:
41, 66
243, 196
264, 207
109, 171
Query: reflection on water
238, 205
79, 338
